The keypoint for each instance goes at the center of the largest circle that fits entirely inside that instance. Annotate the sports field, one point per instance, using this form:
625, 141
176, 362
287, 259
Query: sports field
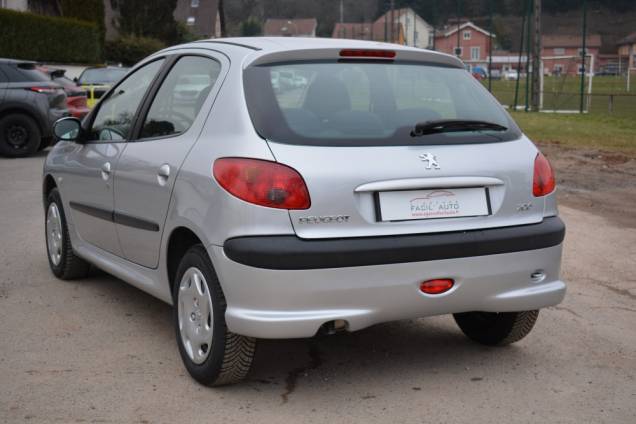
609, 94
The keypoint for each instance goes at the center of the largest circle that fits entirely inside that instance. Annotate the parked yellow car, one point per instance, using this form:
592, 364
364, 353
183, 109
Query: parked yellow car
98, 80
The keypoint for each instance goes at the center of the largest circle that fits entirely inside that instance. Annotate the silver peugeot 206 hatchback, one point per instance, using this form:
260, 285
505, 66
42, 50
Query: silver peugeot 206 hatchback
278, 187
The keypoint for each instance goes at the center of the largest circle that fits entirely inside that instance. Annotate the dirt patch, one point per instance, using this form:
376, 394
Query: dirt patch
599, 182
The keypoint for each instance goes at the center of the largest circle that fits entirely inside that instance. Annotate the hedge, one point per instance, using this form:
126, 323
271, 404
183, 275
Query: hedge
129, 50
45, 38
86, 10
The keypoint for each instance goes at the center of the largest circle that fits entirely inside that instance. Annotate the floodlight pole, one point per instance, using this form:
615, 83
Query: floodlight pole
536, 58
583, 55
528, 49
490, 46
523, 31
459, 11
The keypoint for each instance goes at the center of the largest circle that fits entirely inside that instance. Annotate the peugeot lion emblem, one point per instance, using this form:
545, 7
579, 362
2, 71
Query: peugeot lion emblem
430, 159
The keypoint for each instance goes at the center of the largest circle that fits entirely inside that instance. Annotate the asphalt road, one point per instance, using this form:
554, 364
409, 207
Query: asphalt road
98, 350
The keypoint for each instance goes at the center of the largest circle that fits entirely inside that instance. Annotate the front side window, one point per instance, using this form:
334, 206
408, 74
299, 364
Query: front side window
116, 113
181, 96
363, 103
97, 76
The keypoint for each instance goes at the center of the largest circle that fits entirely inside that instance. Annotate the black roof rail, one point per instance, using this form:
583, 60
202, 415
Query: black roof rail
231, 43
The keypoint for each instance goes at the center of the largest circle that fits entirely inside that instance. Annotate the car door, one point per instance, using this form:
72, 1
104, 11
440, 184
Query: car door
3, 84
88, 183
173, 117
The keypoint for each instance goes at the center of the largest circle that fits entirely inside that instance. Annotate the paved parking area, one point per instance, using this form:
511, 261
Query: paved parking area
98, 350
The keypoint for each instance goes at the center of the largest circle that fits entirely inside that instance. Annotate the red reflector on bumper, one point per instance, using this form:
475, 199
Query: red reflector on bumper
437, 286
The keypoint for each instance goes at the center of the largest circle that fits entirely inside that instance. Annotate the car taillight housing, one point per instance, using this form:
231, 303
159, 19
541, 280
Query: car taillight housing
262, 182
543, 182
45, 90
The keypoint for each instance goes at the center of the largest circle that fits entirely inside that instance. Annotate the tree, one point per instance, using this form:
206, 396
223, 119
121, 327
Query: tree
85, 10
251, 27
153, 19
222, 19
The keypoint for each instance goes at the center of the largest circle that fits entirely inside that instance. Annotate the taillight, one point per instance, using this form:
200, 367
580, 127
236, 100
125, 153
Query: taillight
378, 54
262, 182
543, 182
45, 90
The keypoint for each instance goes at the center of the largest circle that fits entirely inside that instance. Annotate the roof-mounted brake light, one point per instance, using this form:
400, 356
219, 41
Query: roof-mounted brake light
375, 54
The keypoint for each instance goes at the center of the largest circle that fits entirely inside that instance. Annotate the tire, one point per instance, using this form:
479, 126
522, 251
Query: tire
212, 354
20, 135
62, 260
496, 329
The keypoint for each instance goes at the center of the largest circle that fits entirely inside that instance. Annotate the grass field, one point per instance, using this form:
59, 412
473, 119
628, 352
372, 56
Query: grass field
562, 93
602, 132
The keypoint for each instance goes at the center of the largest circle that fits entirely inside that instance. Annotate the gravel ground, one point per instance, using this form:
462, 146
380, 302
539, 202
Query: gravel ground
98, 350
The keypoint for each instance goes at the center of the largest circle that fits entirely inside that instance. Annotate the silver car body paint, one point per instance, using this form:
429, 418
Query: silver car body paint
294, 303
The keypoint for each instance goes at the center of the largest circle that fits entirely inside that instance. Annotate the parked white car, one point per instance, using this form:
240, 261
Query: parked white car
510, 74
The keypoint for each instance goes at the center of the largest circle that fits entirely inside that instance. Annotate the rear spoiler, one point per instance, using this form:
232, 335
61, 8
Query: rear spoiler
401, 54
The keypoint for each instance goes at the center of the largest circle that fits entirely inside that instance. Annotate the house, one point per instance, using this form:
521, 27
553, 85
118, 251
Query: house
401, 26
42, 7
627, 52
200, 16
291, 27
561, 53
17, 5
472, 45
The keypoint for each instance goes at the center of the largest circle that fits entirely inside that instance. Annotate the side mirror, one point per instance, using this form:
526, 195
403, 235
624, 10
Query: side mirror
75, 80
67, 129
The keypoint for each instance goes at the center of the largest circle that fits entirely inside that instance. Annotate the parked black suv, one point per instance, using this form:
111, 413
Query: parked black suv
29, 105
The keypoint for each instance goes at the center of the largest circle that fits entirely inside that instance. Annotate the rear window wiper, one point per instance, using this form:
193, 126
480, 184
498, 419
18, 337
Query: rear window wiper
453, 125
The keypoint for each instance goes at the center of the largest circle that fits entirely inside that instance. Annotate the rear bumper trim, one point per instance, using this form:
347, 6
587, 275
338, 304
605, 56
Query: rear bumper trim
290, 252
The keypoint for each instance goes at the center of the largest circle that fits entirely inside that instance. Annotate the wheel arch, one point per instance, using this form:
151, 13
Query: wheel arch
10, 108
48, 184
181, 239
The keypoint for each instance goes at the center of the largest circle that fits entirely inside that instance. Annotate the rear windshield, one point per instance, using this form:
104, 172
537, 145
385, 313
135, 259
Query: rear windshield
368, 103
102, 75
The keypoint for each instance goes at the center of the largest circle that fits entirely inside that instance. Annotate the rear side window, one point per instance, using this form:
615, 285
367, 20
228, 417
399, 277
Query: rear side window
181, 96
368, 103
116, 113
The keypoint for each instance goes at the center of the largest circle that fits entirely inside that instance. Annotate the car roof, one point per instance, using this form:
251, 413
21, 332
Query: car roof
264, 46
16, 61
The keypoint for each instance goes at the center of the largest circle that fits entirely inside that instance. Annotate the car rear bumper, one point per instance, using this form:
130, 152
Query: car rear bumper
291, 252
274, 303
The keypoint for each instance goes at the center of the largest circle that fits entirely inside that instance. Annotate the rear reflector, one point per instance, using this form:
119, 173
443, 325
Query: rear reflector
381, 54
437, 286
543, 182
262, 182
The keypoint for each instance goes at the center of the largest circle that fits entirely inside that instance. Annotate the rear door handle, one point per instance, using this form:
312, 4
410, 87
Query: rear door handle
163, 174
106, 171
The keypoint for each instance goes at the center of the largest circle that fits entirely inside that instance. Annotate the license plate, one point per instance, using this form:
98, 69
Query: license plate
431, 204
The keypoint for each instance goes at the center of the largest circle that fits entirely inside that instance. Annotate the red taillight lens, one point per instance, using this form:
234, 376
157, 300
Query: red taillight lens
45, 90
437, 286
543, 182
262, 182
380, 54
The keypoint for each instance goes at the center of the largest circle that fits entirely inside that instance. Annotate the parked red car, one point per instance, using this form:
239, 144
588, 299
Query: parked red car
75, 95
